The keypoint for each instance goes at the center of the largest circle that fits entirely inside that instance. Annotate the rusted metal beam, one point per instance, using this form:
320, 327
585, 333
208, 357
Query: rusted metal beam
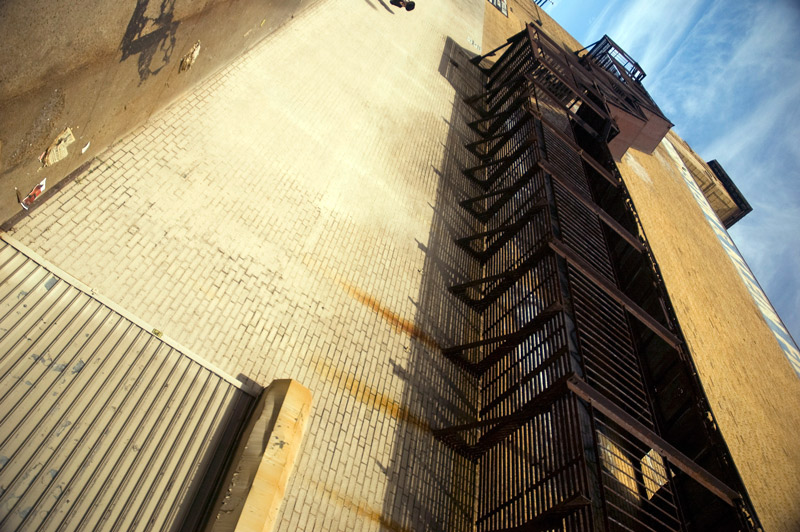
471, 100
592, 206
599, 402
471, 170
615, 293
504, 426
495, 71
508, 342
496, 103
505, 194
507, 279
502, 139
490, 53
605, 173
498, 119
539, 85
507, 232
551, 518
552, 56
543, 366
497, 173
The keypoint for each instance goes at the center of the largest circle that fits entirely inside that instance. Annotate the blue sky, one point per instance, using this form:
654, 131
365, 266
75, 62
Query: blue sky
727, 73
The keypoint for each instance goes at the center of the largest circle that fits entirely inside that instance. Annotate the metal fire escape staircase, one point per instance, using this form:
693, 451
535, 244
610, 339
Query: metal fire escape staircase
591, 415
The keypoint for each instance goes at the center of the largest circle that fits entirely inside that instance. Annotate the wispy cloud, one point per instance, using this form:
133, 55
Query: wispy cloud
650, 31
734, 90
599, 23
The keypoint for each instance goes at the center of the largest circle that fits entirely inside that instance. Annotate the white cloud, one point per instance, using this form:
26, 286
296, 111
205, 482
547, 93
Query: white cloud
599, 24
649, 31
753, 123
690, 78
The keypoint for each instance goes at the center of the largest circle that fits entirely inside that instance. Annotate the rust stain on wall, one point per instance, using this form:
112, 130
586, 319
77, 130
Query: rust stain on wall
366, 395
361, 508
393, 319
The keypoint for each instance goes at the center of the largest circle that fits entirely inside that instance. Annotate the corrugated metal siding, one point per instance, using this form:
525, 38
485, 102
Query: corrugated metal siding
103, 425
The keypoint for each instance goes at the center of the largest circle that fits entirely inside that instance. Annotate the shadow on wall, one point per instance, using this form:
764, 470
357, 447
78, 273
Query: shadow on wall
150, 32
430, 486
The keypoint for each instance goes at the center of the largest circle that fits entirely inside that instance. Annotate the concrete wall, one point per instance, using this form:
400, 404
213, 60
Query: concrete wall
102, 68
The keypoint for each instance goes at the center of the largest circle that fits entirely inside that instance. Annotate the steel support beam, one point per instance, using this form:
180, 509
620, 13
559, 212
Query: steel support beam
602, 404
615, 293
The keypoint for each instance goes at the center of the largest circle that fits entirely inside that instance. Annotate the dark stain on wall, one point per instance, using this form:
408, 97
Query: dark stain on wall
41, 130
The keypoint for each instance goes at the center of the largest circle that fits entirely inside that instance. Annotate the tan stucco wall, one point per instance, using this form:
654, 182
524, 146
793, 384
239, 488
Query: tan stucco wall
497, 27
714, 191
752, 389
104, 68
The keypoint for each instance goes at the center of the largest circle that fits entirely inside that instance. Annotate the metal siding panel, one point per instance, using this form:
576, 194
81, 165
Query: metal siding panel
153, 447
201, 419
102, 424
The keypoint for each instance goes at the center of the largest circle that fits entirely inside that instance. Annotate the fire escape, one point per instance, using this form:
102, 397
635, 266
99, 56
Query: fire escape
591, 413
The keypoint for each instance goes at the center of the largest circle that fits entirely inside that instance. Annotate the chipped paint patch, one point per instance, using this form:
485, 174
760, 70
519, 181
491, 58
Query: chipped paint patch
58, 149
636, 168
191, 56
41, 358
62, 427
